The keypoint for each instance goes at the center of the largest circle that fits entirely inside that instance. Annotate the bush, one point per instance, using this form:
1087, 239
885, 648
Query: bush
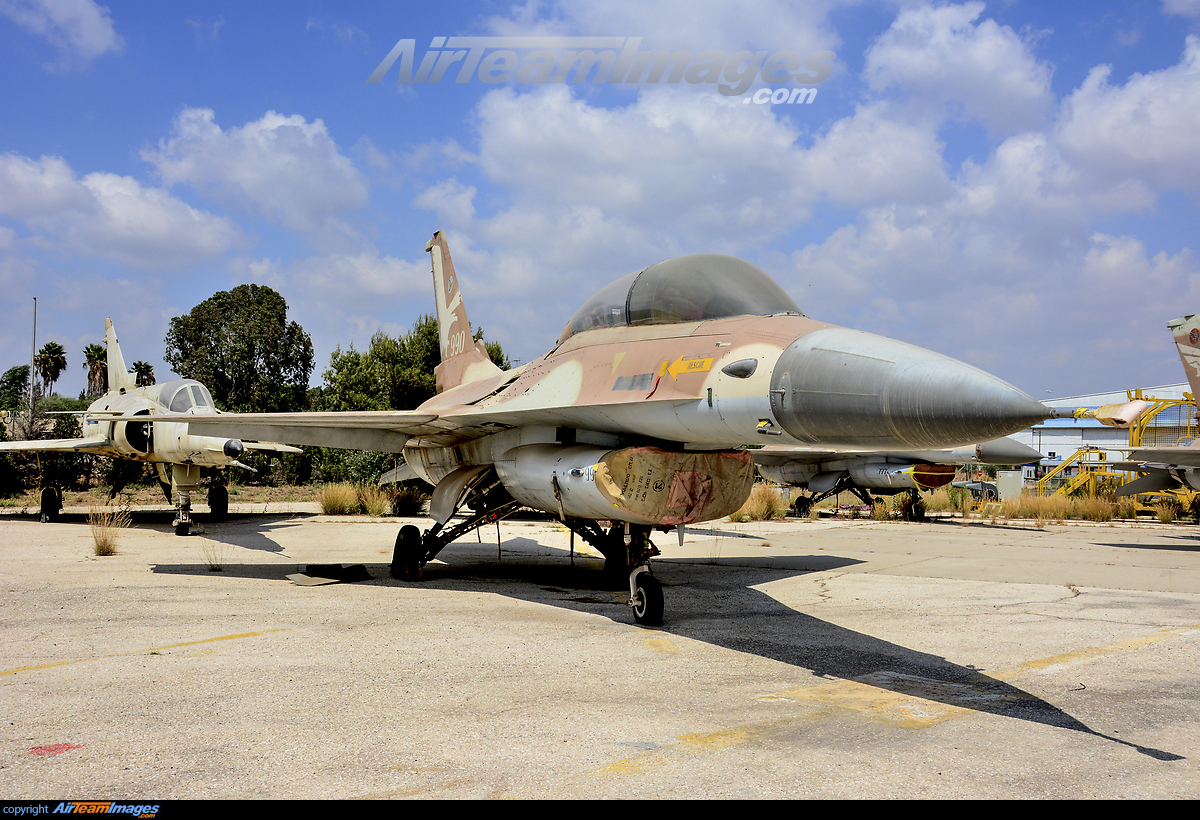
765, 503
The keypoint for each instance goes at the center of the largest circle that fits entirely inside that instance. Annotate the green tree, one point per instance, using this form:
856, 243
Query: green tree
50, 362
95, 359
240, 344
144, 372
14, 389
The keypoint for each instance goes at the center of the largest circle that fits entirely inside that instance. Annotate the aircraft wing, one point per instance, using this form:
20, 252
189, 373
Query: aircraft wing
96, 444
1173, 456
383, 431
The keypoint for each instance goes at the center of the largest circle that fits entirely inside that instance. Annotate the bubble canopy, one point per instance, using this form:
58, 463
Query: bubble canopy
687, 289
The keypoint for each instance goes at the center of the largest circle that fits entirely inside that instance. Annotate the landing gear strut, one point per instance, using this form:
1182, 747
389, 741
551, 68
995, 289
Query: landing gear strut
474, 487
627, 549
183, 514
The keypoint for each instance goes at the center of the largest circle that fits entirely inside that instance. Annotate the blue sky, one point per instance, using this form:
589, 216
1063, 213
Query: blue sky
1013, 184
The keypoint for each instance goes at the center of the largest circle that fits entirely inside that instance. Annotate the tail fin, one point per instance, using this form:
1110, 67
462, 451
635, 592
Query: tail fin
1187, 339
119, 377
464, 360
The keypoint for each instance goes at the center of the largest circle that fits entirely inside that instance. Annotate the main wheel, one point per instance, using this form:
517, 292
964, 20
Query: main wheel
407, 555
51, 504
648, 601
218, 502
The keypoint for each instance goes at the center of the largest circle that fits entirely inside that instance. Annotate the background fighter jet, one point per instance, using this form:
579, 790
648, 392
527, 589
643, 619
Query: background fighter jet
825, 473
1171, 468
637, 415
125, 423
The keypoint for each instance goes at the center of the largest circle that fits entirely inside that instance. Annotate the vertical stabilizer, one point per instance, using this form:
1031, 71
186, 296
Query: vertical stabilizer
1187, 338
463, 359
119, 377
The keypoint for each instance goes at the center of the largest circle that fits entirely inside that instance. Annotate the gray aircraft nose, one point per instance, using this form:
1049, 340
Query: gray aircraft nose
844, 387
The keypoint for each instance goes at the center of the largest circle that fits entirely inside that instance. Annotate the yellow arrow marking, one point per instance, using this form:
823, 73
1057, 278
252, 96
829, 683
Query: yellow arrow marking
681, 366
617, 360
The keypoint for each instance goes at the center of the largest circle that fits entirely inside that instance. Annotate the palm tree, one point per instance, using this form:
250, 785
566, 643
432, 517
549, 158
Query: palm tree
144, 372
97, 364
50, 362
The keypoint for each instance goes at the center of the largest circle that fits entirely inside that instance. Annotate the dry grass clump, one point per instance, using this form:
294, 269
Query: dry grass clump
338, 499
107, 523
213, 553
1167, 510
352, 499
374, 500
764, 504
1125, 508
881, 510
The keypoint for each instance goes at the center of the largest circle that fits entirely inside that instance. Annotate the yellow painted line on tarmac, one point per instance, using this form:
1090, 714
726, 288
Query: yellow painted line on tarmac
1081, 656
236, 637
914, 702
905, 701
664, 646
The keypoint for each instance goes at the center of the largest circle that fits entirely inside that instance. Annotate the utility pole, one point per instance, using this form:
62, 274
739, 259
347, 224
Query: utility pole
32, 355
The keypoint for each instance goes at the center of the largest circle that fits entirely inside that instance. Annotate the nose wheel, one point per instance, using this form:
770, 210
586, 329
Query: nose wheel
645, 597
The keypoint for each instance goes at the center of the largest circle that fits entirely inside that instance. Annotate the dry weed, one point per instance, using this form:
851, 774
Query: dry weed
107, 523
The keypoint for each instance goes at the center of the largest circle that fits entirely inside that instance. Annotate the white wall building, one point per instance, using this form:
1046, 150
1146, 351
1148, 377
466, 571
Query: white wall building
1058, 439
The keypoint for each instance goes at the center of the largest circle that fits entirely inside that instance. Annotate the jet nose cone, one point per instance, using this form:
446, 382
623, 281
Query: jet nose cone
848, 388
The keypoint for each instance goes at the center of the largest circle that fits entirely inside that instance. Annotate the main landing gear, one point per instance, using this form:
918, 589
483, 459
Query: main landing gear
477, 488
626, 547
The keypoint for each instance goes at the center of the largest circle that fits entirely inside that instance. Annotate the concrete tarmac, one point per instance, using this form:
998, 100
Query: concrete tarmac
798, 660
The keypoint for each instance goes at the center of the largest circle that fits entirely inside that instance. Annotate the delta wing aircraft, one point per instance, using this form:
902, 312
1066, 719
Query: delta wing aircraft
1172, 468
127, 423
824, 473
638, 417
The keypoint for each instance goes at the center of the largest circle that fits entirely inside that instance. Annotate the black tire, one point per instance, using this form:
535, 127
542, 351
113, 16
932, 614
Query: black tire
407, 555
51, 504
218, 502
183, 528
648, 601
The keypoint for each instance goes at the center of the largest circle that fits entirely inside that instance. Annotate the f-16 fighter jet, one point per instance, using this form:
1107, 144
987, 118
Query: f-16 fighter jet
143, 424
636, 420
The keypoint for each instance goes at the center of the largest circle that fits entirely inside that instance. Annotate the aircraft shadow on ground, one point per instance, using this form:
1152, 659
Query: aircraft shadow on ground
715, 602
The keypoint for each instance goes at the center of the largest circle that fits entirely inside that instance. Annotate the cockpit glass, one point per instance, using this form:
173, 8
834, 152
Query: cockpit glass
688, 289
201, 397
181, 402
189, 395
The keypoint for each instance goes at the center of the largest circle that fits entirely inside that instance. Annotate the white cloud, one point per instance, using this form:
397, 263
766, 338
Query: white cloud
110, 216
1184, 8
284, 167
452, 201
1143, 131
696, 25
938, 55
81, 29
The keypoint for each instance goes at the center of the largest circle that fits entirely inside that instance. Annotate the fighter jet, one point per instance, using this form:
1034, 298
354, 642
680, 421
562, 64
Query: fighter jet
637, 418
825, 473
126, 423
1171, 468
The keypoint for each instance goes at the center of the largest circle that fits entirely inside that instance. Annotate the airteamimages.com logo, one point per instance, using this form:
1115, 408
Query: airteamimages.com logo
538, 60
146, 810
